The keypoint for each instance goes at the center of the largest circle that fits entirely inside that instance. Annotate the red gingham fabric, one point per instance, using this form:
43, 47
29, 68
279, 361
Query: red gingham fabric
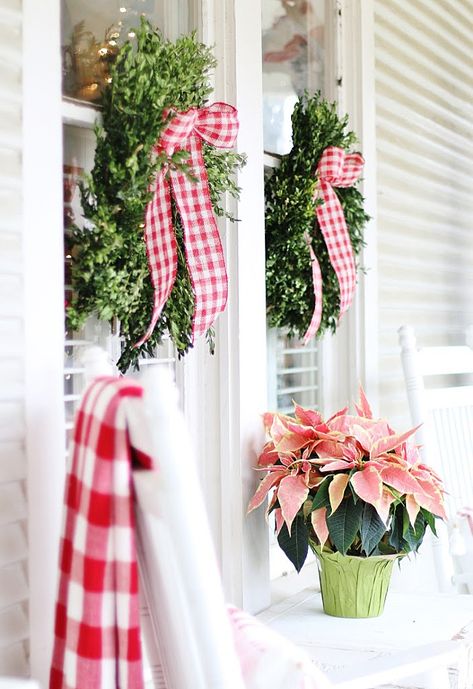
216, 124
335, 169
97, 630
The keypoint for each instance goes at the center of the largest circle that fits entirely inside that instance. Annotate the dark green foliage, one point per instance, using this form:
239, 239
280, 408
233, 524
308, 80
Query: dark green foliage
372, 529
110, 275
322, 498
355, 528
344, 523
295, 545
290, 217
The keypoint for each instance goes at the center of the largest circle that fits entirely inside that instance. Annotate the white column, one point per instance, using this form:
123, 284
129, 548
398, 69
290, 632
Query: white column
44, 316
234, 26
357, 339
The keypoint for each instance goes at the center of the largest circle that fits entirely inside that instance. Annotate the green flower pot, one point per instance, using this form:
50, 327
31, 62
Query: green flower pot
353, 586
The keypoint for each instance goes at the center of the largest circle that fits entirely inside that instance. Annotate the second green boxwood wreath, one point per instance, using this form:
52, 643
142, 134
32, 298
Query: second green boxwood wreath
291, 217
110, 275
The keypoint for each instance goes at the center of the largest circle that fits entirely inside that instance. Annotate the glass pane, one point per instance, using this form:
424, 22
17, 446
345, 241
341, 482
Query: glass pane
293, 60
92, 33
293, 372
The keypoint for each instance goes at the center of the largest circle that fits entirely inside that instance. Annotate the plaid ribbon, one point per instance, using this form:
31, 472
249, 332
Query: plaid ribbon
97, 630
216, 124
335, 169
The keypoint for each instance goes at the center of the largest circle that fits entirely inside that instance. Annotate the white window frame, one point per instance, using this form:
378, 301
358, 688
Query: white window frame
44, 317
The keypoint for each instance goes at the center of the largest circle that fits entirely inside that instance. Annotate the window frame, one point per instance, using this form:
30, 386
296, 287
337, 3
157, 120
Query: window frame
44, 317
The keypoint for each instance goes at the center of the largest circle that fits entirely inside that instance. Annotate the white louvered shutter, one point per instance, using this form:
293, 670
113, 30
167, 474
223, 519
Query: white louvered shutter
13, 547
424, 130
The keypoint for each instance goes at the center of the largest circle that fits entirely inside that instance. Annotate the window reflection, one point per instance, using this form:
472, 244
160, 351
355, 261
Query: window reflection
293, 60
93, 31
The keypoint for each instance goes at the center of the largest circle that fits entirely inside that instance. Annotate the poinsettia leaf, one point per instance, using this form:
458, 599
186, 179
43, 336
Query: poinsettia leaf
318, 519
390, 442
264, 487
322, 498
309, 417
400, 479
396, 537
367, 484
415, 535
296, 544
430, 519
336, 490
431, 498
372, 529
412, 508
344, 524
278, 520
337, 465
363, 407
292, 493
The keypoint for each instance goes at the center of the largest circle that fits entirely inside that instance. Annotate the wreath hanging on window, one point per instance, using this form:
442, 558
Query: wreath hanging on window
313, 211
154, 84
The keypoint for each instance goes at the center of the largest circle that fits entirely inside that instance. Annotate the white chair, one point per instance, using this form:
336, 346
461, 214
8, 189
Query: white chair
439, 386
187, 633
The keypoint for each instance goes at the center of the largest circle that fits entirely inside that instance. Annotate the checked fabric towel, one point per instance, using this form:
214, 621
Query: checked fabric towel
97, 629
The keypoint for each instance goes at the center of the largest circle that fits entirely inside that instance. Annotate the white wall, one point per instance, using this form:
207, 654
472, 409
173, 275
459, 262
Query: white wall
13, 540
424, 120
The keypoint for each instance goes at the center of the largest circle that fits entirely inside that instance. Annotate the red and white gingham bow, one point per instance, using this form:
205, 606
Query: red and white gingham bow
216, 124
335, 169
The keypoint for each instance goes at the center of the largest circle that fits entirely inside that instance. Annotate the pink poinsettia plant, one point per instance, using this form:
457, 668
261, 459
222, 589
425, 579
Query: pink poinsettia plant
350, 484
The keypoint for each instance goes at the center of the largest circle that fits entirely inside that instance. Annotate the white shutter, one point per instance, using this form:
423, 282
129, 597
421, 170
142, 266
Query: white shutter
424, 125
13, 547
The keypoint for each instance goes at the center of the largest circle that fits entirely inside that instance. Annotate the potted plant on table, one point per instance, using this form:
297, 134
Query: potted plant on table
355, 492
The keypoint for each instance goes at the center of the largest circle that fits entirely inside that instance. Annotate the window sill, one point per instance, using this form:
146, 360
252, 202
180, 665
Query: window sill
288, 585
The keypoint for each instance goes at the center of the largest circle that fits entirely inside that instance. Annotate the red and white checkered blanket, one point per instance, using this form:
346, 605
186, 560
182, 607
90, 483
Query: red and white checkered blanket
97, 631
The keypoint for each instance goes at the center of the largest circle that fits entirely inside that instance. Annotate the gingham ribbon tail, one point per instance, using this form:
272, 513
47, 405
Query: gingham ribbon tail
335, 169
216, 124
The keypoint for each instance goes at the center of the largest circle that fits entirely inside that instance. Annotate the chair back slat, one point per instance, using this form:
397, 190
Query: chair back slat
444, 406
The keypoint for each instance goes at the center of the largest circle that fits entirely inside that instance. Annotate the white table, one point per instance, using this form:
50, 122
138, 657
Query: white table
408, 620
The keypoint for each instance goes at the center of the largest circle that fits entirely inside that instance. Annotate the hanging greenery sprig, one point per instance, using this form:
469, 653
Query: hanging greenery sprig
110, 275
291, 220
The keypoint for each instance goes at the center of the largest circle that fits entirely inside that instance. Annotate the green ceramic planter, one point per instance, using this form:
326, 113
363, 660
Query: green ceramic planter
353, 586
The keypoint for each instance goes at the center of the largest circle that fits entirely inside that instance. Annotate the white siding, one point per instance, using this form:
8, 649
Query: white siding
13, 547
424, 124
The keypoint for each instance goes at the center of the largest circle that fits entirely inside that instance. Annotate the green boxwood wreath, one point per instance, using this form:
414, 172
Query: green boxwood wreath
291, 216
109, 273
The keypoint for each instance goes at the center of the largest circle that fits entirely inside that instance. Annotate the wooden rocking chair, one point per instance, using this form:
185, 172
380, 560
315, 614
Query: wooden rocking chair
439, 383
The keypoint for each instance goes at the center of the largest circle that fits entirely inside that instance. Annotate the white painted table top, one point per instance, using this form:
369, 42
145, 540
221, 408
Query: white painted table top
408, 620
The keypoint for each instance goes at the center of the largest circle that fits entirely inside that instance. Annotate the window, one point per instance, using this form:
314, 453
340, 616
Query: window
92, 33
294, 59
224, 394
91, 36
